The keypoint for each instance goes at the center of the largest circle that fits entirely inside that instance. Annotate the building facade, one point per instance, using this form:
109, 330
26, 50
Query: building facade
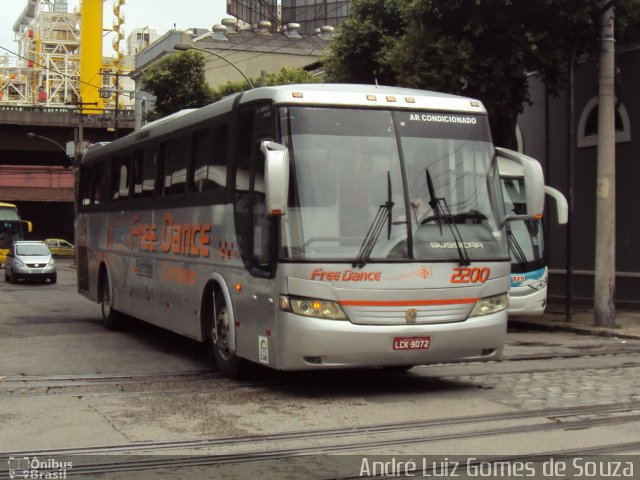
545, 136
42, 114
253, 51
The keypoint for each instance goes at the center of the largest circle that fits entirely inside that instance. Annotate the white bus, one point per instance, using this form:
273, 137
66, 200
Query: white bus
307, 227
529, 271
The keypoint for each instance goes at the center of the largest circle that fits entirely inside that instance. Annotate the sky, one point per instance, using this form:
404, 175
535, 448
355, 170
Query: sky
161, 14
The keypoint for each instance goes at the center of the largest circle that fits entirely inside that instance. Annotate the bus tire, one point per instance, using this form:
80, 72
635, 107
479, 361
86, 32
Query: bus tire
111, 318
229, 365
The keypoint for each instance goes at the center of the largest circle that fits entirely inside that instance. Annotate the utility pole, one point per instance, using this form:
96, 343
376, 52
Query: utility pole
115, 113
106, 93
605, 258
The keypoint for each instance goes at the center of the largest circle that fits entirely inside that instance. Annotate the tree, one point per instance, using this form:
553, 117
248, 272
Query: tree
178, 82
484, 49
359, 51
286, 76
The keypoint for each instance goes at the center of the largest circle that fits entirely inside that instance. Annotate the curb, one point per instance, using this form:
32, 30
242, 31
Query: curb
573, 328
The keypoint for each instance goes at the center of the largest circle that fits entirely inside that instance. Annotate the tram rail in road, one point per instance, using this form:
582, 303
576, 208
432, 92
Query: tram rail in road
140, 383
137, 392
362, 438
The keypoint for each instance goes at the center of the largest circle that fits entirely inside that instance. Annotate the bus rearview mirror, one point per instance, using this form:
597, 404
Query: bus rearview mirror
562, 207
276, 177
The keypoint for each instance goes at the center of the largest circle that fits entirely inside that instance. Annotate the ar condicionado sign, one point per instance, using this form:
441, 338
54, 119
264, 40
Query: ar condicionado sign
177, 238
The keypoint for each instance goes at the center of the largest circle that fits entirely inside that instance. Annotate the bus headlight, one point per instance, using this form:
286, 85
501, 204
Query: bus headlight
540, 284
312, 307
488, 305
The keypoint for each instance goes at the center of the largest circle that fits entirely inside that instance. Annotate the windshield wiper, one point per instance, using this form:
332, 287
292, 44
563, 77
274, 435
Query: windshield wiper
515, 248
441, 209
383, 215
434, 201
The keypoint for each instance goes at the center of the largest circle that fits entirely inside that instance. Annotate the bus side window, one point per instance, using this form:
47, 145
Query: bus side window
115, 178
199, 153
120, 178
149, 171
210, 159
100, 183
218, 156
242, 162
137, 172
163, 179
254, 229
176, 176
95, 185
261, 224
84, 195
125, 177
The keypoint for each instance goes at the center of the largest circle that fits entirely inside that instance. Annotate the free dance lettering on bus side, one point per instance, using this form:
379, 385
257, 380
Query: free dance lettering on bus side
177, 238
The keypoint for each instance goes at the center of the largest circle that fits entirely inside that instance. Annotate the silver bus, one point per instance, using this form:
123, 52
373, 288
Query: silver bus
307, 227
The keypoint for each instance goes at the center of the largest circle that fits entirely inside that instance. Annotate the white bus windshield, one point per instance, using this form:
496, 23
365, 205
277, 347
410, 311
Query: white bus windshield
349, 164
526, 240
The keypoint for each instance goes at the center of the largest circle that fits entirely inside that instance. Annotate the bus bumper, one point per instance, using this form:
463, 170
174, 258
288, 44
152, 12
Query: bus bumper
309, 343
527, 302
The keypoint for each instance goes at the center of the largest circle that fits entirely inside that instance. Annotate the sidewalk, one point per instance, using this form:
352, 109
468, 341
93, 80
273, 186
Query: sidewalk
627, 322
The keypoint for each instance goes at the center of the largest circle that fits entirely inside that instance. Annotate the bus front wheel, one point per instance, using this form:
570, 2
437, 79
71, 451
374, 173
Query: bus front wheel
228, 363
111, 318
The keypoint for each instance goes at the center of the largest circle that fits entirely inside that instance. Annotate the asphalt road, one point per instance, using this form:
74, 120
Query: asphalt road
69, 387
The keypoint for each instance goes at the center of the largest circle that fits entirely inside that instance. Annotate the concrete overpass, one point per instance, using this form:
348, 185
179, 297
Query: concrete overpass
36, 174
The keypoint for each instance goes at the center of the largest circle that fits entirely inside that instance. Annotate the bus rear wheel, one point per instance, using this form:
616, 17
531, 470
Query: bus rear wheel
229, 365
111, 318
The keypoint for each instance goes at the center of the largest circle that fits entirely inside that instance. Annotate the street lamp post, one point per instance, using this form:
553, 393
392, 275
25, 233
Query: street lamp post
74, 164
184, 47
33, 135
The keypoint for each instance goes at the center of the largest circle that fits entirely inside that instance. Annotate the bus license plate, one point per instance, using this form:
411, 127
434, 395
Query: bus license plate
411, 343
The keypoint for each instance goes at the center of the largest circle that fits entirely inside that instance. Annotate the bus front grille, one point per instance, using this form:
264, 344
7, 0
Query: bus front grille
407, 315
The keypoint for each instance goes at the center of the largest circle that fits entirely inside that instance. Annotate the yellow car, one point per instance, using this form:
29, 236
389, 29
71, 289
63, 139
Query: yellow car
60, 247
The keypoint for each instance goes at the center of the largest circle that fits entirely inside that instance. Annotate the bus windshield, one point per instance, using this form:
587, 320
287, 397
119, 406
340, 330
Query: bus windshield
10, 231
433, 176
9, 213
525, 237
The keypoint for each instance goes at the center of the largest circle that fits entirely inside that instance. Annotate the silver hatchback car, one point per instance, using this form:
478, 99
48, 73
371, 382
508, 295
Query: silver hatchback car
30, 261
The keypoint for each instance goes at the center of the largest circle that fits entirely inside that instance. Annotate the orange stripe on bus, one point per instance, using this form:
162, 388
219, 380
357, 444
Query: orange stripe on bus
406, 303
